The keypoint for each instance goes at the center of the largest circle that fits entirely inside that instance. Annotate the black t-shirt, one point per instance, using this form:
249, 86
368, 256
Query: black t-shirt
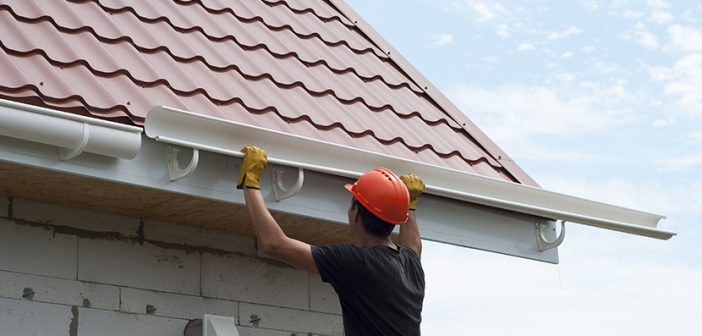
381, 290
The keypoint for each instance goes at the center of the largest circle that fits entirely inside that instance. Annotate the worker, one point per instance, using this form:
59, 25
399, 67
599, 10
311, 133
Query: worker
380, 284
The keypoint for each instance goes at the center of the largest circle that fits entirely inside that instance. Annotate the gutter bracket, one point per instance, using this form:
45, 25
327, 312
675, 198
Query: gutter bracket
541, 240
70, 153
174, 170
279, 191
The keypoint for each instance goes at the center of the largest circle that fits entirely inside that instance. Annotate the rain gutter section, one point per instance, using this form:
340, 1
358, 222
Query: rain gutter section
72, 134
187, 129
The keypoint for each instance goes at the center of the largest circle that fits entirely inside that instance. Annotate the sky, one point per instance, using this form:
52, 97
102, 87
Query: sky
598, 99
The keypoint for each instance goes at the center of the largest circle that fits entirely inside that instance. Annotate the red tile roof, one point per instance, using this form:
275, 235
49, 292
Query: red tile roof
296, 66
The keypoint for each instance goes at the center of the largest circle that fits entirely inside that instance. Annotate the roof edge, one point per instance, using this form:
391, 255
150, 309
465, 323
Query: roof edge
436, 95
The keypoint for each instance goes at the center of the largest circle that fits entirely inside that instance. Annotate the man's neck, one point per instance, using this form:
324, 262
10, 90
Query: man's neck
371, 240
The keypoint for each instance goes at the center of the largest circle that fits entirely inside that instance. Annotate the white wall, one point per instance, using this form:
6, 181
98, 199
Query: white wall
69, 271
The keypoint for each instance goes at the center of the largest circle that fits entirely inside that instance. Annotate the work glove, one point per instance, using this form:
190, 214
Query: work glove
255, 160
415, 186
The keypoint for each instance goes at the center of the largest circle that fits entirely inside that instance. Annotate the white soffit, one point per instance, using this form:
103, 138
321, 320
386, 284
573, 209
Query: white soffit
72, 134
226, 137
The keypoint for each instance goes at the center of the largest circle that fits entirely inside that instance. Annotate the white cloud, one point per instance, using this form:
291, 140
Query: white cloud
570, 31
589, 48
660, 17
567, 54
565, 77
685, 38
504, 31
683, 162
484, 11
632, 14
683, 81
657, 4
695, 138
490, 59
650, 195
647, 40
474, 292
526, 47
641, 36
515, 116
442, 40
591, 4
662, 123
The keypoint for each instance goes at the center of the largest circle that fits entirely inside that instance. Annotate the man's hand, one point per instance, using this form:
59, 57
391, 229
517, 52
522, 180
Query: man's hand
255, 160
409, 232
415, 185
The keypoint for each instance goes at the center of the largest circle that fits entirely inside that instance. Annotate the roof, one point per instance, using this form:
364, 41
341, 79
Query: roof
310, 68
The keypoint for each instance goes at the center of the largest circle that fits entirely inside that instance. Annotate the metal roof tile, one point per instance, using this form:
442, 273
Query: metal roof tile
295, 66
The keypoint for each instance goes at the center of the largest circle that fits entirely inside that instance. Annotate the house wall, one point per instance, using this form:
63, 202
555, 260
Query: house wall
69, 271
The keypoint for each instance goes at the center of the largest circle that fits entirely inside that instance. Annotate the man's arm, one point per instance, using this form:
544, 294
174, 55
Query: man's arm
409, 232
273, 240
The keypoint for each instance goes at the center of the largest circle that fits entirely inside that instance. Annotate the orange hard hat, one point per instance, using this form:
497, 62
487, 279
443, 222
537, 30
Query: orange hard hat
383, 194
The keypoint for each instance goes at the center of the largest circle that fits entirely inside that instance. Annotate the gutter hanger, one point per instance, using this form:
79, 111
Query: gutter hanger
226, 137
72, 134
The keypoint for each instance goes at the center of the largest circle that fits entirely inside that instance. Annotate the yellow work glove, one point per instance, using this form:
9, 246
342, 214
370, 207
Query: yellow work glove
415, 185
255, 160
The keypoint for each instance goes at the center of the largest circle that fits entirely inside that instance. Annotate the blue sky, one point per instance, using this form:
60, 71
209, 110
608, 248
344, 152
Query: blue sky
599, 99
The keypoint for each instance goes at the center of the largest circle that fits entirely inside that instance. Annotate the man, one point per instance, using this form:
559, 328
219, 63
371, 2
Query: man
380, 284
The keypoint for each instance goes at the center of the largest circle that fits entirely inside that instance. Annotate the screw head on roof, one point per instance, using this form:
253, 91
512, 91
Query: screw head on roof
28, 293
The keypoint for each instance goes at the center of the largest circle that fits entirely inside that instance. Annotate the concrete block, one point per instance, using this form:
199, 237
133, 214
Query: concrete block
193, 236
53, 290
175, 305
254, 280
251, 331
293, 320
21, 317
147, 266
36, 250
4, 206
83, 219
323, 298
93, 322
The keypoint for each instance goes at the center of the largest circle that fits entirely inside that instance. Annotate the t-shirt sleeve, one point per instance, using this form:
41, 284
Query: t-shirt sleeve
338, 264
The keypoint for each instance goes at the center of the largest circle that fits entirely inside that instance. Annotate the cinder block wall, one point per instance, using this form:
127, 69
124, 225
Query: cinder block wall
69, 271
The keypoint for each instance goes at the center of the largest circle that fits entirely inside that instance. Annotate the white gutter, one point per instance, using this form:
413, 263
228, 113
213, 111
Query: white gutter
72, 134
226, 137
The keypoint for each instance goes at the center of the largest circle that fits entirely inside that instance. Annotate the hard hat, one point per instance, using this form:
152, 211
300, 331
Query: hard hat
383, 194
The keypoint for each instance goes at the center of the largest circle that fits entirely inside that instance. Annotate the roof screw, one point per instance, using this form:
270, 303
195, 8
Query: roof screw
28, 293
255, 320
150, 309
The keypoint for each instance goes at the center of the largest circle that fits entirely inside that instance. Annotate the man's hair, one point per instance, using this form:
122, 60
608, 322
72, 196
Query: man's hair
372, 223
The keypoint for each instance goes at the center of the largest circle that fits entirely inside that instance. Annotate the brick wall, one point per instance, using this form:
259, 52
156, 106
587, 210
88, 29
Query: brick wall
69, 271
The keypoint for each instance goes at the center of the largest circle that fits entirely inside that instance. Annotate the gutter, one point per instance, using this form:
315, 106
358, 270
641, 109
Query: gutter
72, 134
187, 129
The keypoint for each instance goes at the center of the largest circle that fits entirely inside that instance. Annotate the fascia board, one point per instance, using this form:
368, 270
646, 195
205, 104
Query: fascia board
72, 134
227, 137
322, 197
